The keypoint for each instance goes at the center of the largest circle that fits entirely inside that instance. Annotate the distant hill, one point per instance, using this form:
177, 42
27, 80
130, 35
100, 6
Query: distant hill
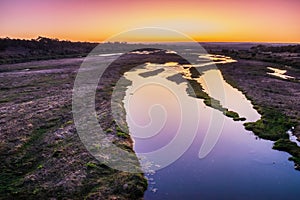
20, 50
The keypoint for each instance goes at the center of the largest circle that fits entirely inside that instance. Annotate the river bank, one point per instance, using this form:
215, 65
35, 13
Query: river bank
41, 154
251, 164
276, 99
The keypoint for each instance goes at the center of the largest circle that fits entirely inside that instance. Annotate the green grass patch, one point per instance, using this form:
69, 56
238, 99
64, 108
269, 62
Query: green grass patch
273, 125
122, 134
234, 115
109, 130
26, 159
91, 165
40, 166
231, 114
290, 147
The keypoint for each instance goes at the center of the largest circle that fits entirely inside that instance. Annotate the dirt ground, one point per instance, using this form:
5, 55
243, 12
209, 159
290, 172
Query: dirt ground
41, 154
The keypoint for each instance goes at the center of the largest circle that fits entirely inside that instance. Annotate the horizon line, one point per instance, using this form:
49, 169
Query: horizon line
148, 41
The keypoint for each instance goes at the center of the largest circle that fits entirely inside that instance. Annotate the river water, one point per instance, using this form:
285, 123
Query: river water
237, 166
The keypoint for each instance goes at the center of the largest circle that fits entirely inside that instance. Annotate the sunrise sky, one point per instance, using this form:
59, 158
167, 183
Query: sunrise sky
203, 20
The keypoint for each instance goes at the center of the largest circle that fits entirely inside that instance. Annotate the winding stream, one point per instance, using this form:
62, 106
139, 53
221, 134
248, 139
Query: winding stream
239, 166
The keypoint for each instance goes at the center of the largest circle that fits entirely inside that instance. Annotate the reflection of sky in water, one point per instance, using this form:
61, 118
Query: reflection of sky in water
110, 54
280, 73
154, 112
235, 100
240, 165
153, 106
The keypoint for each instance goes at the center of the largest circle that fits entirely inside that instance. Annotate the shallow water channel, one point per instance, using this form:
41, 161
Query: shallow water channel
235, 165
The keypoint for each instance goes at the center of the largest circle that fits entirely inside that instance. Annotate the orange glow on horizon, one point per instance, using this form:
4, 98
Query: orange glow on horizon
204, 21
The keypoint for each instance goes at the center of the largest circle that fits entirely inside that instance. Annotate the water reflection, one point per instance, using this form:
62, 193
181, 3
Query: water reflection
280, 73
240, 166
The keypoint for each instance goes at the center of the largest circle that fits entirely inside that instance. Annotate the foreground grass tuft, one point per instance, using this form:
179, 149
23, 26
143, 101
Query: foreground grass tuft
273, 126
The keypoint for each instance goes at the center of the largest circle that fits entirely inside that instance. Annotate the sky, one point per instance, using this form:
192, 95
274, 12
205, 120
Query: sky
202, 20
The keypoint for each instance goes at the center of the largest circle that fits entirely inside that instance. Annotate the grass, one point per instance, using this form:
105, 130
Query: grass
290, 147
25, 160
234, 115
273, 126
109, 130
122, 134
211, 102
38, 133
231, 114
91, 165
121, 184
40, 166
36, 152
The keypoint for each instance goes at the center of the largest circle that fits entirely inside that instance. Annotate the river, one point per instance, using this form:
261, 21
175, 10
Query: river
238, 166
